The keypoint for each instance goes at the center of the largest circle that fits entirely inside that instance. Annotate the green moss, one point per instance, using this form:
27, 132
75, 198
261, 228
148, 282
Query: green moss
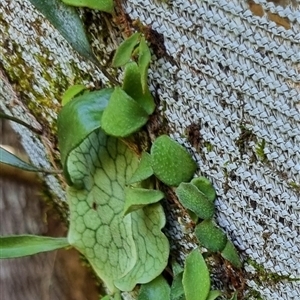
260, 151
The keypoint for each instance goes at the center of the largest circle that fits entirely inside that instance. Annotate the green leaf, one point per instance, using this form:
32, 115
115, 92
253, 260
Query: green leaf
66, 20
234, 296
176, 268
77, 119
133, 87
177, 290
123, 53
71, 92
137, 198
154, 290
205, 187
123, 115
103, 5
210, 236
10, 159
144, 61
214, 295
230, 253
191, 198
196, 279
144, 170
171, 162
23, 245
107, 297
123, 251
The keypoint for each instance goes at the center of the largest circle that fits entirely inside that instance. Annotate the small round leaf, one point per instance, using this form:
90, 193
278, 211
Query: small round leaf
172, 164
158, 288
210, 236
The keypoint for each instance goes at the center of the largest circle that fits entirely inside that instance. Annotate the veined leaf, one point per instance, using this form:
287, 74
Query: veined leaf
154, 290
144, 61
77, 119
71, 92
103, 5
66, 20
124, 51
115, 245
196, 279
23, 245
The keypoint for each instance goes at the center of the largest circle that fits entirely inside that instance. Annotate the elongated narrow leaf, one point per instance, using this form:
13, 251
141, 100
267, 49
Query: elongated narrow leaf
10, 159
154, 290
144, 61
230, 253
24, 245
103, 5
137, 198
123, 53
115, 245
66, 20
123, 115
71, 92
133, 87
196, 279
77, 119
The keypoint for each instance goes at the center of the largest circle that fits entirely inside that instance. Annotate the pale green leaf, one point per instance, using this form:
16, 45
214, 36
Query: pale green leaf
137, 198
196, 279
205, 186
66, 20
122, 250
77, 119
191, 198
103, 5
10, 159
210, 236
144, 61
144, 169
171, 162
124, 51
23, 245
177, 291
214, 295
123, 115
71, 92
133, 87
230, 253
157, 289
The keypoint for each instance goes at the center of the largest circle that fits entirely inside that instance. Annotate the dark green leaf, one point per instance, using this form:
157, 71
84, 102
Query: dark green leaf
210, 236
123, 115
144, 60
71, 92
171, 162
177, 291
196, 279
133, 87
230, 253
191, 198
66, 20
103, 5
24, 245
144, 169
9, 159
205, 186
155, 289
77, 119
137, 198
123, 53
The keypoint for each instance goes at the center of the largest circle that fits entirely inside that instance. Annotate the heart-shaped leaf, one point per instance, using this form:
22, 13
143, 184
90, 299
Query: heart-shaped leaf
144, 169
205, 186
71, 92
230, 253
122, 250
210, 236
77, 119
191, 198
196, 279
124, 51
144, 61
103, 5
23, 245
171, 162
133, 87
137, 198
154, 290
123, 115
